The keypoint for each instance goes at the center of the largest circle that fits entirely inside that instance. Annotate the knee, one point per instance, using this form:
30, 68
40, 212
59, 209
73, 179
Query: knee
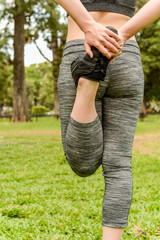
84, 166
81, 168
84, 172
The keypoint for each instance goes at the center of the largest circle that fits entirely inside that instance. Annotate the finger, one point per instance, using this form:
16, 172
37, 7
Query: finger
88, 49
103, 50
111, 47
113, 41
112, 34
113, 55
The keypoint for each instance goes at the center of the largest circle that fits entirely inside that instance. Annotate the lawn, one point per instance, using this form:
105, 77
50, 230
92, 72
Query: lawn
41, 198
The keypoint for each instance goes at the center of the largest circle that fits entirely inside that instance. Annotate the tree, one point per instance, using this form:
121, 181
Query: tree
15, 12
39, 82
5, 80
18, 12
20, 101
6, 75
25, 14
150, 51
147, 42
47, 18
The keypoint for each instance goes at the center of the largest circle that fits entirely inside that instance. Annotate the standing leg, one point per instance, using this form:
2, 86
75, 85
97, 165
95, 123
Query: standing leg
121, 106
110, 233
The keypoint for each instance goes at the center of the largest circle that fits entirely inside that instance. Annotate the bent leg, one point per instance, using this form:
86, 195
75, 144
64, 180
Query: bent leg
82, 142
84, 146
94, 68
121, 107
84, 106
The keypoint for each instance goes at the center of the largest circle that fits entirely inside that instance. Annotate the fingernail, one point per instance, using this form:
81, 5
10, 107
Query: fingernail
119, 39
90, 56
117, 52
119, 48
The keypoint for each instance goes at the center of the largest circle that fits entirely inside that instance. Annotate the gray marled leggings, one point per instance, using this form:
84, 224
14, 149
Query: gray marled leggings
108, 139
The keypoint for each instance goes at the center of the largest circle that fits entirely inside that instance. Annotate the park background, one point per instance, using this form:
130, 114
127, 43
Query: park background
40, 197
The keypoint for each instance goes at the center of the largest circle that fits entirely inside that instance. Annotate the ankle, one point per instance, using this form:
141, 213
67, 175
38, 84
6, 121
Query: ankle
110, 233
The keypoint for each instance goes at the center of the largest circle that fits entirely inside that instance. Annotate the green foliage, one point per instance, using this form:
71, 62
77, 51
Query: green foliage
41, 16
41, 198
39, 110
140, 4
6, 77
39, 82
8, 111
6, 68
150, 51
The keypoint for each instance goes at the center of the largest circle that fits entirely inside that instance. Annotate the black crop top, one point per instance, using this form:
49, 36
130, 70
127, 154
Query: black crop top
126, 7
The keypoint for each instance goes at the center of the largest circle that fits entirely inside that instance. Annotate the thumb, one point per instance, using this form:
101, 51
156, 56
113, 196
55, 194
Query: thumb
88, 49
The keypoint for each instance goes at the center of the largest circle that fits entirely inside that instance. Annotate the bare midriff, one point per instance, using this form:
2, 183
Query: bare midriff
115, 20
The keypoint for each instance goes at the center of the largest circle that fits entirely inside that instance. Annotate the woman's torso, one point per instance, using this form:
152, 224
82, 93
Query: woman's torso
105, 18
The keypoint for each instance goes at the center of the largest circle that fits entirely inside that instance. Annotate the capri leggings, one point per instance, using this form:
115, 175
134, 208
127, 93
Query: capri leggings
108, 139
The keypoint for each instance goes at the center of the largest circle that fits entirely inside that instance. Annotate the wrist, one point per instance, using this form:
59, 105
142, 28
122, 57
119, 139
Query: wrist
122, 34
88, 26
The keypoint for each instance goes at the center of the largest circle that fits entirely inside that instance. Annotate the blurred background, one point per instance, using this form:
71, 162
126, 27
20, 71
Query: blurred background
32, 38
40, 196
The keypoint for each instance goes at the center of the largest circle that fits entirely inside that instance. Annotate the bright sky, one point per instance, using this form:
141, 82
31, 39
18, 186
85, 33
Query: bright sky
32, 54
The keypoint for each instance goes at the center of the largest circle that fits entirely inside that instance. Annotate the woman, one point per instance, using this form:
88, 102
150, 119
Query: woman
91, 139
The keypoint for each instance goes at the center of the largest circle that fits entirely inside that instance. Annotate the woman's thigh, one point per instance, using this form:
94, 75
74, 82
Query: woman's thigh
122, 102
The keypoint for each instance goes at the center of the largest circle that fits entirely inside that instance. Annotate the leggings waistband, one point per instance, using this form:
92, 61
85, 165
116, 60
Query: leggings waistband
77, 45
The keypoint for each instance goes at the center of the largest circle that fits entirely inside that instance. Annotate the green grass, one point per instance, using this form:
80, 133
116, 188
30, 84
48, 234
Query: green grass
150, 125
47, 123
41, 198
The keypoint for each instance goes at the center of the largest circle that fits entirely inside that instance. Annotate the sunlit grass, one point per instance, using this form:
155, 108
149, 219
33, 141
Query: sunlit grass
41, 198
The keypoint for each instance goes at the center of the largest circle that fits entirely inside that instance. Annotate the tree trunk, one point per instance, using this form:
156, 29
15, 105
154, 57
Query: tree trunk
54, 47
20, 102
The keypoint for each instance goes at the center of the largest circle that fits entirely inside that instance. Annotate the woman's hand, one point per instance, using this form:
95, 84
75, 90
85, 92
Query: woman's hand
121, 43
122, 38
95, 33
106, 41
